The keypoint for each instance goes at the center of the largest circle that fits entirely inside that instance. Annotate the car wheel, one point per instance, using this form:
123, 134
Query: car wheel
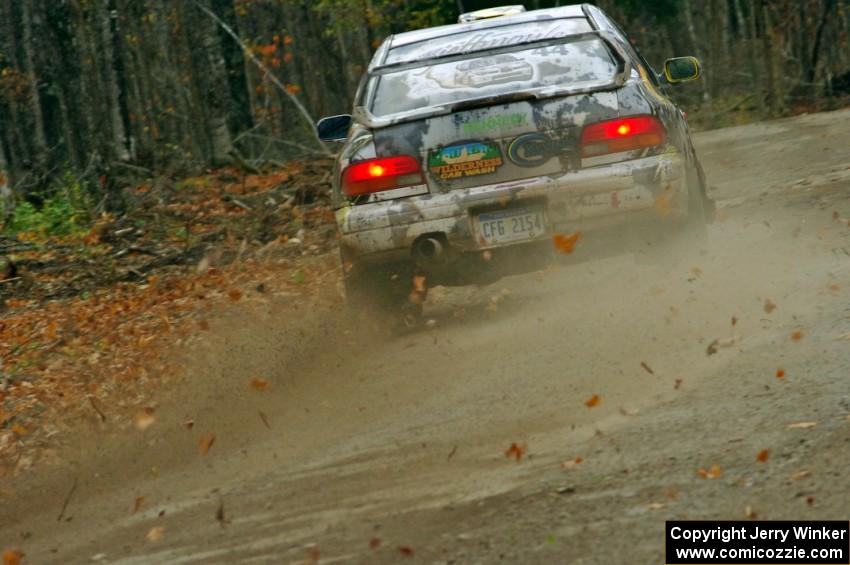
383, 296
672, 246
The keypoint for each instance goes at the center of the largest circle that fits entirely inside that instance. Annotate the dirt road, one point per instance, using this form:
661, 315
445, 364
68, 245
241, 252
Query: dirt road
365, 451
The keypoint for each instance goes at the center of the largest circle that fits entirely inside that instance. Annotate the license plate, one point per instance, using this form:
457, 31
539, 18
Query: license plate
509, 226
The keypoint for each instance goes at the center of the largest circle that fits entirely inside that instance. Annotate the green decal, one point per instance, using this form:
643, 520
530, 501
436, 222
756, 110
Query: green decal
476, 127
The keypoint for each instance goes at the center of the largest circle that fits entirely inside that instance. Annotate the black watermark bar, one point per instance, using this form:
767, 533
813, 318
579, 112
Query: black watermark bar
758, 543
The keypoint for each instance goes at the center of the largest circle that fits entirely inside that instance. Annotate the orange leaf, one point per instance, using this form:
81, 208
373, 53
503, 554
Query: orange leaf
259, 384
155, 534
234, 295
144, 418
593, 401
797, 336
780, 373
18, 430
714, 473
293, 89
568, 465
12, 557
137, 504
763, 456
516, 451
769, 307
566, 244
205, 442
50, 331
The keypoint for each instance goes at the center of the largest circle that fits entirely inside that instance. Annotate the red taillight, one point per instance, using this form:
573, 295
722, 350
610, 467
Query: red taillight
625, 134
378, 175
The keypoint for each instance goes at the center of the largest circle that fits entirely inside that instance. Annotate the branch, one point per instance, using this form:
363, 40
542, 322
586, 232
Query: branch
268, 73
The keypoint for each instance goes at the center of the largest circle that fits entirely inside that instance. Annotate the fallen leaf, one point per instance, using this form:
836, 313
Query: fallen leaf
750, 513
137, 504
205, 442
234, 295
219, 514
763, 456
259, 384
189, 424
18, 430
715, 472
50, 331
569, 465
12, 557
780, 373
647, 368
719, 344
769, 306
313, 554
800, 475
678, 384
204, 325
406, 551
593, 401
696, 271
655, 505
734, 321
452, 453
264, 418
144, 418
797, 336
802, 426
566, 244
516, 451
374, 543
834, 288
155, 534
419, 284
810, 500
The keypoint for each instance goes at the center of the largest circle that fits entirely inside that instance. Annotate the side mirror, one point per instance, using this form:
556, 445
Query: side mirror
334, 128
682, 69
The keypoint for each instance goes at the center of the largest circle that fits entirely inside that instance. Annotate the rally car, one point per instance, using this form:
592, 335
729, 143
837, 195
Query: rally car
440, 184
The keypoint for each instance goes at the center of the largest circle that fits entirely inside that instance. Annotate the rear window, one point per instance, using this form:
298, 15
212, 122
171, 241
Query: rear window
575, 64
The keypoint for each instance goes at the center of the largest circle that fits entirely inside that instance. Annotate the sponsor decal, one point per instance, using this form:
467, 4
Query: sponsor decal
535, 149
477, 127
494, 39
465, 160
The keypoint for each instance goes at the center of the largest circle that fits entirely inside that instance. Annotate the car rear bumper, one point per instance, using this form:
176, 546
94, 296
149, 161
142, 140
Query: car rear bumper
652, 189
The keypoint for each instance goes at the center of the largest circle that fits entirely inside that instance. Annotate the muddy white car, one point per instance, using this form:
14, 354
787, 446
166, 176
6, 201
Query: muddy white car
472, 147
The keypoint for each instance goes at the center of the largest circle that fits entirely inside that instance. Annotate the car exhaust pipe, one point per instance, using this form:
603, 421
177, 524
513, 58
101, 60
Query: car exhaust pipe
428, 249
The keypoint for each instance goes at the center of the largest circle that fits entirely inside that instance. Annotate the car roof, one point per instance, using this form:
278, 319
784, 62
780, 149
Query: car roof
409, 37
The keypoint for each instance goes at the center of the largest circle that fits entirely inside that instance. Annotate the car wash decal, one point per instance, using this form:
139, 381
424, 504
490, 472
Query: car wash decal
465, 160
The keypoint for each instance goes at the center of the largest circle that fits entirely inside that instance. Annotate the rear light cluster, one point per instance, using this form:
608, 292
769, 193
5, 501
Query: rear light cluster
603, 138
624, 134
378, 175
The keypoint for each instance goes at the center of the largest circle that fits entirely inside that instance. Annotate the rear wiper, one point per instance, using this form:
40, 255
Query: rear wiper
505, 98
